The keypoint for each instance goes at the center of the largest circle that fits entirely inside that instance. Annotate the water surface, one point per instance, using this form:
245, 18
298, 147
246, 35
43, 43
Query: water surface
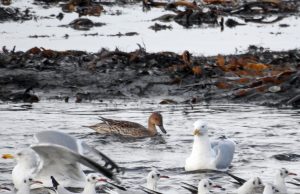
260, 132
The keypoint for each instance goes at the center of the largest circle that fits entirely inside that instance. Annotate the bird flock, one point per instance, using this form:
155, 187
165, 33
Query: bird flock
57, 163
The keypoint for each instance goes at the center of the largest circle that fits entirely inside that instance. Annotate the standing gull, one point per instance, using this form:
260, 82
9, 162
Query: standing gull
206, 154
60, 155
130, 129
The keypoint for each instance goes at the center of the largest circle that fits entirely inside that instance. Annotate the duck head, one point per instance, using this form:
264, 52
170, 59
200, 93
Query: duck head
157, 120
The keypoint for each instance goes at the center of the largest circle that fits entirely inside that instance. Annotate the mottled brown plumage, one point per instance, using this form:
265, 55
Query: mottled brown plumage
130, 129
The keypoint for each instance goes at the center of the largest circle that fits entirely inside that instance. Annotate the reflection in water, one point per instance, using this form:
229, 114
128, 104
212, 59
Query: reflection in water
260, 133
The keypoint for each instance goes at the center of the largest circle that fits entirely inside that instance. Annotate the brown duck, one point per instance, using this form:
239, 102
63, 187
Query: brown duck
130, 129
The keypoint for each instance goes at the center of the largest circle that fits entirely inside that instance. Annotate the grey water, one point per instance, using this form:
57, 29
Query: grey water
259, 132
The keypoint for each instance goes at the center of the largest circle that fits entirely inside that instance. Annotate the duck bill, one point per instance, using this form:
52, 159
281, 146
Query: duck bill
164, 177
8, 156
293, 174
162, 129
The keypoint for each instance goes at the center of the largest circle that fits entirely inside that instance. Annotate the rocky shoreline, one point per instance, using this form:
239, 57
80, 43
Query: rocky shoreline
258, 76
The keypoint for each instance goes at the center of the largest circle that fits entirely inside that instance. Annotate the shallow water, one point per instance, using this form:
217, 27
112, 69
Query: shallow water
259, 132
200, 40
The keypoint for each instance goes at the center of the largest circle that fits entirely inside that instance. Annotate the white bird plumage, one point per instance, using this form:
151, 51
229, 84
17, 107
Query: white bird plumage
205, 185
57, 154
206, 154
89, 188
279, 180
249, 186
270, 189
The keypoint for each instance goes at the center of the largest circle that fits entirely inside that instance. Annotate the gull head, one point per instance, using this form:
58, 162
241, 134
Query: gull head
27, 155
94, 178
30, 181
283, 173
256, 182
156, 119
207, 184
200, 128
152, 179
22, 155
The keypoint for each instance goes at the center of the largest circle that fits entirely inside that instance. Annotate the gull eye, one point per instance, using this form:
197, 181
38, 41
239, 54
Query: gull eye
253, 182
93, 178
286, 172
205, 185
30, 179
25, 181
259, 182
153, 176
210, 183
281, 174
158, 175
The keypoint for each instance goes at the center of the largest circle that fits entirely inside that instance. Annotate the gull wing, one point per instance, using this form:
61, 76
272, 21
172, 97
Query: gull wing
224, 150
58, 138
239, 180
63, 163
193, 189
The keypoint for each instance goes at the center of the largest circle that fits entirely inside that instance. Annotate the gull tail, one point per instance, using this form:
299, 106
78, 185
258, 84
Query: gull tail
191, 188
54, 182
239, 180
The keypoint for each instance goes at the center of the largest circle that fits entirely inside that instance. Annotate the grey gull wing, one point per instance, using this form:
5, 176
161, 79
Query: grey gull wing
61, 161
224, 150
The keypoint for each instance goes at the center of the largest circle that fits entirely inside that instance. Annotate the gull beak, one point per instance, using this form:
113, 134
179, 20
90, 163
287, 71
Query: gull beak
162, 129
165, 177
196, 132
36, 182
218, 186
7, 156
291, 173
102, 180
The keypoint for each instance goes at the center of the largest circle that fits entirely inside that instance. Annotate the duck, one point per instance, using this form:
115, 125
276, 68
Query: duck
204, 186
130, 129
279, 181
206, 154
